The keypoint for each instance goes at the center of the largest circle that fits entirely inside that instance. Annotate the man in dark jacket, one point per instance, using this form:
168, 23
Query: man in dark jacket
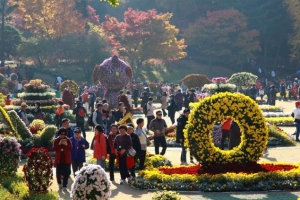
253, 92
172, 108
136, 145
179, 100
78, 150
119, 113
66, 124
234, 135
181, 122
273, 91
80, 113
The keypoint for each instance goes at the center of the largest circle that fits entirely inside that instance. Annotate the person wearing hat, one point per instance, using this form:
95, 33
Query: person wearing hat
136, 145
296, 115
98, 115
78, 150
80, 113
172, 108
59, 114
62, 146
181, 122
22, 113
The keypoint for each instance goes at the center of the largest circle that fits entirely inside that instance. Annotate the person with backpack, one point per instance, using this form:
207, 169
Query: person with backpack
100, 145
80, 113
148, 110
172, 108
98, 115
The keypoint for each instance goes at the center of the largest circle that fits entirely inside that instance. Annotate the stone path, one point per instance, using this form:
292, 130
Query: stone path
279, 154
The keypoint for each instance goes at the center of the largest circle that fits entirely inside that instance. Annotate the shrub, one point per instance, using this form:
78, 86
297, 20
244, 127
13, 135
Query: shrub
37, 142
157, 161
47, 135
242, 79
68, 98
5, 194
20, 189
10, 153
38, 170
36, 125
166, 195
49, 118
90, 182
46, 196
72, 85
21, 128
195, 80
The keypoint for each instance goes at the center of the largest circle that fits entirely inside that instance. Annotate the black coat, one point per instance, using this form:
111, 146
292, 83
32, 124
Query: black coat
172, 108
181, 122
136, 144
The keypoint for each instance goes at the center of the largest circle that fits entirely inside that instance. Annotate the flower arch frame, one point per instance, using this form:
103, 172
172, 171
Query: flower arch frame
215, 108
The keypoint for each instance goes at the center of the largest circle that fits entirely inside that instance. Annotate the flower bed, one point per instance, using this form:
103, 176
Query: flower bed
276, 114
268, 108
229, 177
281, 121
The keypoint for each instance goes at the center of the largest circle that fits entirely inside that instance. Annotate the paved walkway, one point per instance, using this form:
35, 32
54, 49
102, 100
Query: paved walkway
279, 154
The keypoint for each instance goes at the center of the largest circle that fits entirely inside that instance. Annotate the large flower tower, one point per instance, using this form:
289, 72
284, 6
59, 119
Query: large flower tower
36, 91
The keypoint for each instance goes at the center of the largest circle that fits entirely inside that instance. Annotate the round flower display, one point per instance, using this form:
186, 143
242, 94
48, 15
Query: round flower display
91, 182
215, 108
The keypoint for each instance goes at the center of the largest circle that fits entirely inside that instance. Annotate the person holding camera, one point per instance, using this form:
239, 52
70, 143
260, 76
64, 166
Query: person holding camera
62, 146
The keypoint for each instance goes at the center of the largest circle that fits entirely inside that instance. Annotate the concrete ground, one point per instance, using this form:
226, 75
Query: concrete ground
279, 154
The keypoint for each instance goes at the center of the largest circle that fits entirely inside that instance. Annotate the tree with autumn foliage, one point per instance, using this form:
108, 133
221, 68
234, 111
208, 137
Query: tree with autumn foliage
52, 18
143, 36
294, 10
222, 35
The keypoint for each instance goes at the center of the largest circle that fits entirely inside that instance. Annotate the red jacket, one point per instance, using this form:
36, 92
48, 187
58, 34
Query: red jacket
62, 149
100, 146
226, 124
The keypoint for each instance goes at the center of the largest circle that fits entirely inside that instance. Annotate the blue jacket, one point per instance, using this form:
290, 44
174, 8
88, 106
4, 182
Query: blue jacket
78, 152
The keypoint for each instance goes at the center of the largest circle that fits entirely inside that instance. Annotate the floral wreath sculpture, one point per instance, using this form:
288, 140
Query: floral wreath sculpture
215, 108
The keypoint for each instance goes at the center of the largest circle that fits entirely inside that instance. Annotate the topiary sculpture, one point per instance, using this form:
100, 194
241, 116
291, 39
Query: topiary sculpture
114, 74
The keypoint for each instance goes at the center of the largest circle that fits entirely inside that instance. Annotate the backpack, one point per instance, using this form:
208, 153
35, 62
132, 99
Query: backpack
81, 112
90, 120
145, 109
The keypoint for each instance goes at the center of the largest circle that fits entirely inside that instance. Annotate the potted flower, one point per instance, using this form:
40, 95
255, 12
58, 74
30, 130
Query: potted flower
9, 155
38, 170
91, 182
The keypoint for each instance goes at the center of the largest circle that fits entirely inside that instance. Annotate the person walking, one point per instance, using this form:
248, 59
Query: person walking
98, 115
136, 145
179, 100
135, 96
80, 113
62, 146
158, 126
140, 131
164, 103
296, 115
181, 122
79, 145
172, 108
122, 144
111, 150
150, 111
100, 148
